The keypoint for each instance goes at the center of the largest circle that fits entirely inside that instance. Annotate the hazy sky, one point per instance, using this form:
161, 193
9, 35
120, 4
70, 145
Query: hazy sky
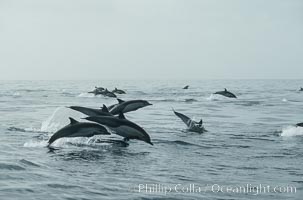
151, 39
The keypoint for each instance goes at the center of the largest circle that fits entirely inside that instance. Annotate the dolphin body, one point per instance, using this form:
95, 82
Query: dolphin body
123, 127
226, 93
91, 111
186, 87
301, 89
97, 90
118, 91
78, 129
300, 124
108, 93
192, 125
128, 106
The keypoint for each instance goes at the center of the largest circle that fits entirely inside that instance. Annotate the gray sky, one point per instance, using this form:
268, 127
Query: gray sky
154, 39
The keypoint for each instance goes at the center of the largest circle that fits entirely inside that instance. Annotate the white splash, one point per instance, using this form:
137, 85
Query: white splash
88, 95
215, 97
59, 119
291, 131
32, 143
284, 100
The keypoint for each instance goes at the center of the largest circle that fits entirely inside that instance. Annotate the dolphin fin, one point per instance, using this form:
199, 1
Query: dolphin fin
104, 108
200, 122
120, 100
121, 115
73, 121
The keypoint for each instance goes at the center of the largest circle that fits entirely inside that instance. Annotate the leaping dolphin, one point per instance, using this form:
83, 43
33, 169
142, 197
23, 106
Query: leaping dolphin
128, 106
192, 125
300, 124
92, 112
118, 91
123, 127
78, 129
226, 93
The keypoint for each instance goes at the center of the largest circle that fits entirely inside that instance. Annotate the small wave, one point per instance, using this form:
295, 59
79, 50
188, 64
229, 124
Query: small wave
16, 129
284, 100
31, 130
16, 95
89, 95
292, 131
248, 103
26, 162
4, 166
62, 186
190, 100
215, 97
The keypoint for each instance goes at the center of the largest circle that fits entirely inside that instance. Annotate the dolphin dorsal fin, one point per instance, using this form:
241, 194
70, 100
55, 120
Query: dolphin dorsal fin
104, 108
73, 121
120, 100
225, 89
200, 122
121, 115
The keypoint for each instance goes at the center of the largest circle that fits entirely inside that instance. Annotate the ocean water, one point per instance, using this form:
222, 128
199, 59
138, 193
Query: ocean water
251, 142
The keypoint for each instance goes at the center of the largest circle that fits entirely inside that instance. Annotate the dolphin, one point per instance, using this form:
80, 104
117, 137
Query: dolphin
226, 93
128, 106
97, 90
78, 129
91, 111
109, 93
123, 127
301, 89
118, 91
192, 125
186, 87
300, 124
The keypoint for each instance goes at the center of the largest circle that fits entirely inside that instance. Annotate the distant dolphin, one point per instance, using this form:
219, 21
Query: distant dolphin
91, 111
192, 125
226, 93
109, 93
186, 87
301, 89
300, 124
97, 90
118, 91
78, 129
123, 127
128, 106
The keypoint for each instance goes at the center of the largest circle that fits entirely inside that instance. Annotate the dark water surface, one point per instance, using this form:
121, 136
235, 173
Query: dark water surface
250, 141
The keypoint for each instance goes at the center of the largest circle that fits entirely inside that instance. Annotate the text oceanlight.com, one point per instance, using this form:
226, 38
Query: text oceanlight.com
254, 189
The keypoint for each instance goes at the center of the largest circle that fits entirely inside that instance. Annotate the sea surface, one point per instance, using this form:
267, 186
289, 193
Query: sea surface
251, 142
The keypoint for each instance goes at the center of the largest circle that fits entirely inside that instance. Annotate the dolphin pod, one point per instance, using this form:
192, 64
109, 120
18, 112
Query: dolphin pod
78, 129
119, 125
191, 124
106, 92
226, 93
106, 120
